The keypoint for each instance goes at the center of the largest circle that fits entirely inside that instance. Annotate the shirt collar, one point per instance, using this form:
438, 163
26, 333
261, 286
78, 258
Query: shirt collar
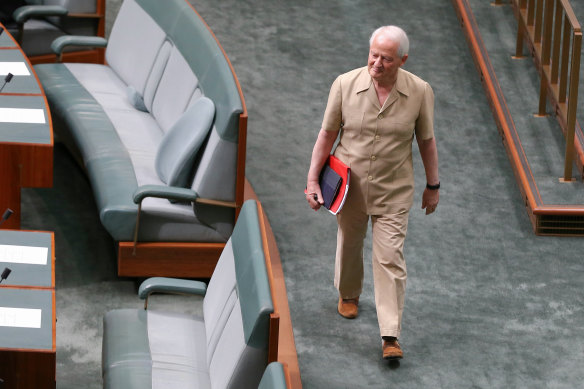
364, 82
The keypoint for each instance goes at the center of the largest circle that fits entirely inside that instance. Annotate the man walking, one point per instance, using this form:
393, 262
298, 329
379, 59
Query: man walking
378, 109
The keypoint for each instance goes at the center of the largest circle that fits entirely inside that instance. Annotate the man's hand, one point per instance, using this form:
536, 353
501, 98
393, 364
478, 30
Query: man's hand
430, 200
429, 154
314, 195
320, 153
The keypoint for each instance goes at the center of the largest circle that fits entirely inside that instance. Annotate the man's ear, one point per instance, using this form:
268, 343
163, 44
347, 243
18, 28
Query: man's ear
404, 59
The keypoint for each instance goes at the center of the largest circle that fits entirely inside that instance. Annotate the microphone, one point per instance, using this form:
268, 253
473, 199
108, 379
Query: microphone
5, 274
7, 79
6, 215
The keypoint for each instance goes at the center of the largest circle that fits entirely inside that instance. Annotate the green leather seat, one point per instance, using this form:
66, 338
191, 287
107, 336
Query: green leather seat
161, 60
227, 347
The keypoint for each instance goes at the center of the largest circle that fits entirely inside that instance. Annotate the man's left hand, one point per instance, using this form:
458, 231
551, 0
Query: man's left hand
430, 200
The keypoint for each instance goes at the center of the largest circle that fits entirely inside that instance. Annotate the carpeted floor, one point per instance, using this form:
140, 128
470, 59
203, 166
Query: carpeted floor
488, 303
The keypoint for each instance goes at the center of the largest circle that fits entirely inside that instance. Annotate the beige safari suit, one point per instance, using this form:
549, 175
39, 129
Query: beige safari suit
376, 143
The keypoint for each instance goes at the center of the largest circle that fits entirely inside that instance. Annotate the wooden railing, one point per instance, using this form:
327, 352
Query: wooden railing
554, 37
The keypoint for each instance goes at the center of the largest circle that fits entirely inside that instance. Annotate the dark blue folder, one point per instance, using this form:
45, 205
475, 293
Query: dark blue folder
330, 183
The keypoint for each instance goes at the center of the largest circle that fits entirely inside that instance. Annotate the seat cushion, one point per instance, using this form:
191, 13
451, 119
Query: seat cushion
90, 108
149, 349
179, 146
178, 349
136, 99
125, 337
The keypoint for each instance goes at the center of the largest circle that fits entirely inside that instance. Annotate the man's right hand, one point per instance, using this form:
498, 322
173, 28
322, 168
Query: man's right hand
312, 191
320, 153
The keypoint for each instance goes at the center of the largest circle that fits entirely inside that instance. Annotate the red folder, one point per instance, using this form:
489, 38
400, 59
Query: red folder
345, 173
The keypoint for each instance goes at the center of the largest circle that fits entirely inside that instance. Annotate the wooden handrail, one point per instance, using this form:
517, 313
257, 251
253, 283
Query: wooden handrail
275, 316
544, 217
570, 14
555, 38
572, 104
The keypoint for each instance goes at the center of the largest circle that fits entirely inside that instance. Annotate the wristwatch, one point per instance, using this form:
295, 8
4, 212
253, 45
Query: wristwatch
433, 187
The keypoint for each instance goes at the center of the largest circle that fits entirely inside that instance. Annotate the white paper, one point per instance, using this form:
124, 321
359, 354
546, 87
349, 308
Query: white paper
16, 68
23, 254
20, 317
22, 115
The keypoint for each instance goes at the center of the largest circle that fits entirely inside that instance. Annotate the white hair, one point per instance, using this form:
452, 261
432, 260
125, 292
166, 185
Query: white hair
395, 34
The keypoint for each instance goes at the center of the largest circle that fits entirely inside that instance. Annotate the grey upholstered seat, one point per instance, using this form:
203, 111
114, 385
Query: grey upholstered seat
225, 348
127, 119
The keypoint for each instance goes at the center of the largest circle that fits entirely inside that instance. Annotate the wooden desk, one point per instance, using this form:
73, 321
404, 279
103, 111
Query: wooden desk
28, 352
38, 276
26, 148
28, 355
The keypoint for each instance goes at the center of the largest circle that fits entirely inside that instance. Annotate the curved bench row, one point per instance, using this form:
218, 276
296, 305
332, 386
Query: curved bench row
160, 130
230, 346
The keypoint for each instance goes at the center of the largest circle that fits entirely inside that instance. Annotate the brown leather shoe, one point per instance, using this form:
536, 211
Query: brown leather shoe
348, 308
392, 350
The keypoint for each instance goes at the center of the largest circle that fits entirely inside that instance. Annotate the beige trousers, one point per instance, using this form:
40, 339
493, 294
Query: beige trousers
389, 267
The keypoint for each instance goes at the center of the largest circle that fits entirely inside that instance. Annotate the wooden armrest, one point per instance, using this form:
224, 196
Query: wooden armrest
171, 193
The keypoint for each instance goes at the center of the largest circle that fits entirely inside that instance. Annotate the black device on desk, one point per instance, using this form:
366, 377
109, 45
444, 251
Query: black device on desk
6, 271
5, 274
6, 215
7, 79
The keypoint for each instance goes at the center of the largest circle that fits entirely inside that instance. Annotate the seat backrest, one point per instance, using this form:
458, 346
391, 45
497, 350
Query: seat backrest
166, 52
237, 307
274, 377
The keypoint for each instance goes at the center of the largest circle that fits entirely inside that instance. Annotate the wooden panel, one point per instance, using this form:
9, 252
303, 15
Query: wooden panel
27, 369
85, 56
168, 259
30, 368
36, 165
10, 187
22, 165
275, 316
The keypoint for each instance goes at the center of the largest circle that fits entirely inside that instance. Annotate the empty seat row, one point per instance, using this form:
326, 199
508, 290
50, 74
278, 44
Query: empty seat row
159, 129
227, 347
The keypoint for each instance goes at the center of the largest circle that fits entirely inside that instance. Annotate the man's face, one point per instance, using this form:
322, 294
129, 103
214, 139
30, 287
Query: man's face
383, 62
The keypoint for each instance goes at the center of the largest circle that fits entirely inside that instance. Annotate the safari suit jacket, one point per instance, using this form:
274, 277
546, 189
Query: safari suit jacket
376, 142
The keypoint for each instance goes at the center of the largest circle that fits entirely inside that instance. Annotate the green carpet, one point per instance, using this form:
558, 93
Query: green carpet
488, 303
